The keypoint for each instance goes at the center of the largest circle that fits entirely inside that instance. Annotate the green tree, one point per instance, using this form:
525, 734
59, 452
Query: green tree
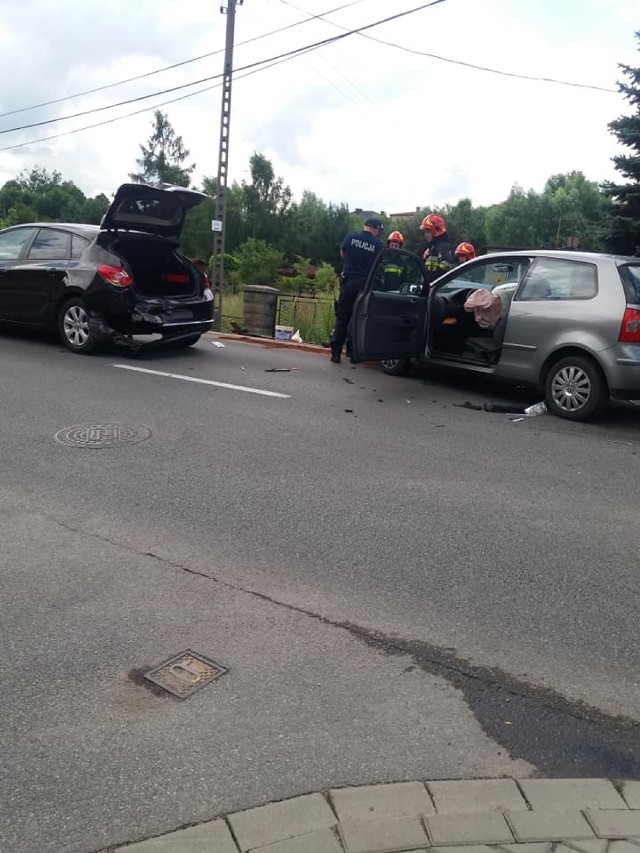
466, 223
17, 214
326, 278
258, 262
574, 207
316, 230
38, 180
624, 237
163, 156
93, 209
39, 195
197, 237
515, 222
266, 201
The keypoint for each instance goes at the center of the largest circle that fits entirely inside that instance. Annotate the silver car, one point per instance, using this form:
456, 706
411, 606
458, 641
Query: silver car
565, 322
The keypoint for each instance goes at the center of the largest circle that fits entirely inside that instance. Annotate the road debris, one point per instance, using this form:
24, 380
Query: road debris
349, 411
536, 409
501, 409
468, 405
218, 344
347, 380
280, 369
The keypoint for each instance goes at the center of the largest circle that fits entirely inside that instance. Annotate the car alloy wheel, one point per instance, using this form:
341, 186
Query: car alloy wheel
575, 389
75, 327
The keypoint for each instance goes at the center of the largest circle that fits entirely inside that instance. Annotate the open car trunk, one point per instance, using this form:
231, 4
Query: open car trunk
155, 266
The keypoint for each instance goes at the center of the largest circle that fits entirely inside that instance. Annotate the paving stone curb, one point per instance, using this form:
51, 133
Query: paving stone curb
473, 816
272, 343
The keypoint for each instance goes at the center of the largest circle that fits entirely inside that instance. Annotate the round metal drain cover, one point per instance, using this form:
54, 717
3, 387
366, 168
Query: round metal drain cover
101, 435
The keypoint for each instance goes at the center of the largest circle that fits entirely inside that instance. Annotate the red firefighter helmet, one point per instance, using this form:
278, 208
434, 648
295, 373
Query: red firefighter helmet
467, 251
395, 237
434, 223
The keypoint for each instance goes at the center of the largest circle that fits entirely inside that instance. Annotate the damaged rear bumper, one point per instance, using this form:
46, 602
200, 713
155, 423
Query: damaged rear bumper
170, 318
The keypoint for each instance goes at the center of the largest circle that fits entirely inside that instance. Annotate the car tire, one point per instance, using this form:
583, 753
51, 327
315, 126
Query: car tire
75, 328
183, 343
575, 389
396, 366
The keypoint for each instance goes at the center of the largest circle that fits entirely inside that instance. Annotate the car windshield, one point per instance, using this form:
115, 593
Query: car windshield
630, 275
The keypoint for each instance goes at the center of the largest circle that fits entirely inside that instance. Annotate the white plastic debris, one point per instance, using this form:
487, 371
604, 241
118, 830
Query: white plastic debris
536, 409
296, 336
218, 344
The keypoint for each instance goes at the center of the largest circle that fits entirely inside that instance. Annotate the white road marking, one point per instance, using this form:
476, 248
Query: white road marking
204, 381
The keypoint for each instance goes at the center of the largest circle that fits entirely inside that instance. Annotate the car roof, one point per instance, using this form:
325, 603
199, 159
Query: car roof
76, 227
564, 254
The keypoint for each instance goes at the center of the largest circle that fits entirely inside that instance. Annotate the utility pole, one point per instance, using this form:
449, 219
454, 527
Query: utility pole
218, 225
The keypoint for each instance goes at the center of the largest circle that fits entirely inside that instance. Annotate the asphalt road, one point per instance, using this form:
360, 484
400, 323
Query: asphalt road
401, 587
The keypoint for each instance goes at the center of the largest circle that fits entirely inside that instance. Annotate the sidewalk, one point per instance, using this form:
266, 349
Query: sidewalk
501, 815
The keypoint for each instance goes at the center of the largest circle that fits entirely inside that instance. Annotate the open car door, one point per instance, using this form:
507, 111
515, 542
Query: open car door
389, 318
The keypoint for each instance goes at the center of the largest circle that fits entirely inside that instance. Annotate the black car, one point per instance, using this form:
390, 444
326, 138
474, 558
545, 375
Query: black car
125, 277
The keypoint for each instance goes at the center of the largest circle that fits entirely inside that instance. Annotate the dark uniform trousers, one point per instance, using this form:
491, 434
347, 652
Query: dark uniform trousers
349, 290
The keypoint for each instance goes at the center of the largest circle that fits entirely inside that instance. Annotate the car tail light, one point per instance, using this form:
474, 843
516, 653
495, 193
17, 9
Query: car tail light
115, 275
630, 329
207, 283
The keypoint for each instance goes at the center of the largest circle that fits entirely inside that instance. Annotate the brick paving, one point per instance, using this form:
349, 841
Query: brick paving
471, 816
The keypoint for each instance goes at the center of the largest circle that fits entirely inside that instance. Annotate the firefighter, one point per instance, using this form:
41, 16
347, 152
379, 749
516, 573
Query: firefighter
395, 240
437, 257
464, 252
393, 270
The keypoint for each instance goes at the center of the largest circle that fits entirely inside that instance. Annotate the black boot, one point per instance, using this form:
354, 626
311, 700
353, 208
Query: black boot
335, 354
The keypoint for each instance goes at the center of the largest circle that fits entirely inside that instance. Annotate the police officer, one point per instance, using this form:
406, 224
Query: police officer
438, 257
358, 250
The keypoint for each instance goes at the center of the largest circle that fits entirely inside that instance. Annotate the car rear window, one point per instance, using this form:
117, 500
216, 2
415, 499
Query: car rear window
559, 279
50, 245
630, 275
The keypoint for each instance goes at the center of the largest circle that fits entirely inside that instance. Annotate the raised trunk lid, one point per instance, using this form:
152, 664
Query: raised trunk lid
157, 210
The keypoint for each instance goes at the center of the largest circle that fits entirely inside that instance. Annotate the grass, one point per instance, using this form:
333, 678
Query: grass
231, 310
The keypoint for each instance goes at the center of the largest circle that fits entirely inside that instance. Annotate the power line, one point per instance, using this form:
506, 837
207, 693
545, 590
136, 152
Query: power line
462, 62
290, 53
338, 88
180, 64
139, 112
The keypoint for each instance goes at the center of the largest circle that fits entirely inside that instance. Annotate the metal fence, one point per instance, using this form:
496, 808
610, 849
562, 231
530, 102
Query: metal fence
302, 311
312, 315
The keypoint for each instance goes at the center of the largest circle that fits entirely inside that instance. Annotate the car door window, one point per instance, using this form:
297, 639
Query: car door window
50, 245
398, 272
486, 274
559, 279
13, 242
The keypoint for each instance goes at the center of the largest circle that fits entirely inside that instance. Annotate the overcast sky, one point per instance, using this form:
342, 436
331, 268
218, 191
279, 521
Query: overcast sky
371, 125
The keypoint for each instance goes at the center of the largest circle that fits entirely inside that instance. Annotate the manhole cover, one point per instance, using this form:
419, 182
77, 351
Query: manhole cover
101, 435
185, 673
